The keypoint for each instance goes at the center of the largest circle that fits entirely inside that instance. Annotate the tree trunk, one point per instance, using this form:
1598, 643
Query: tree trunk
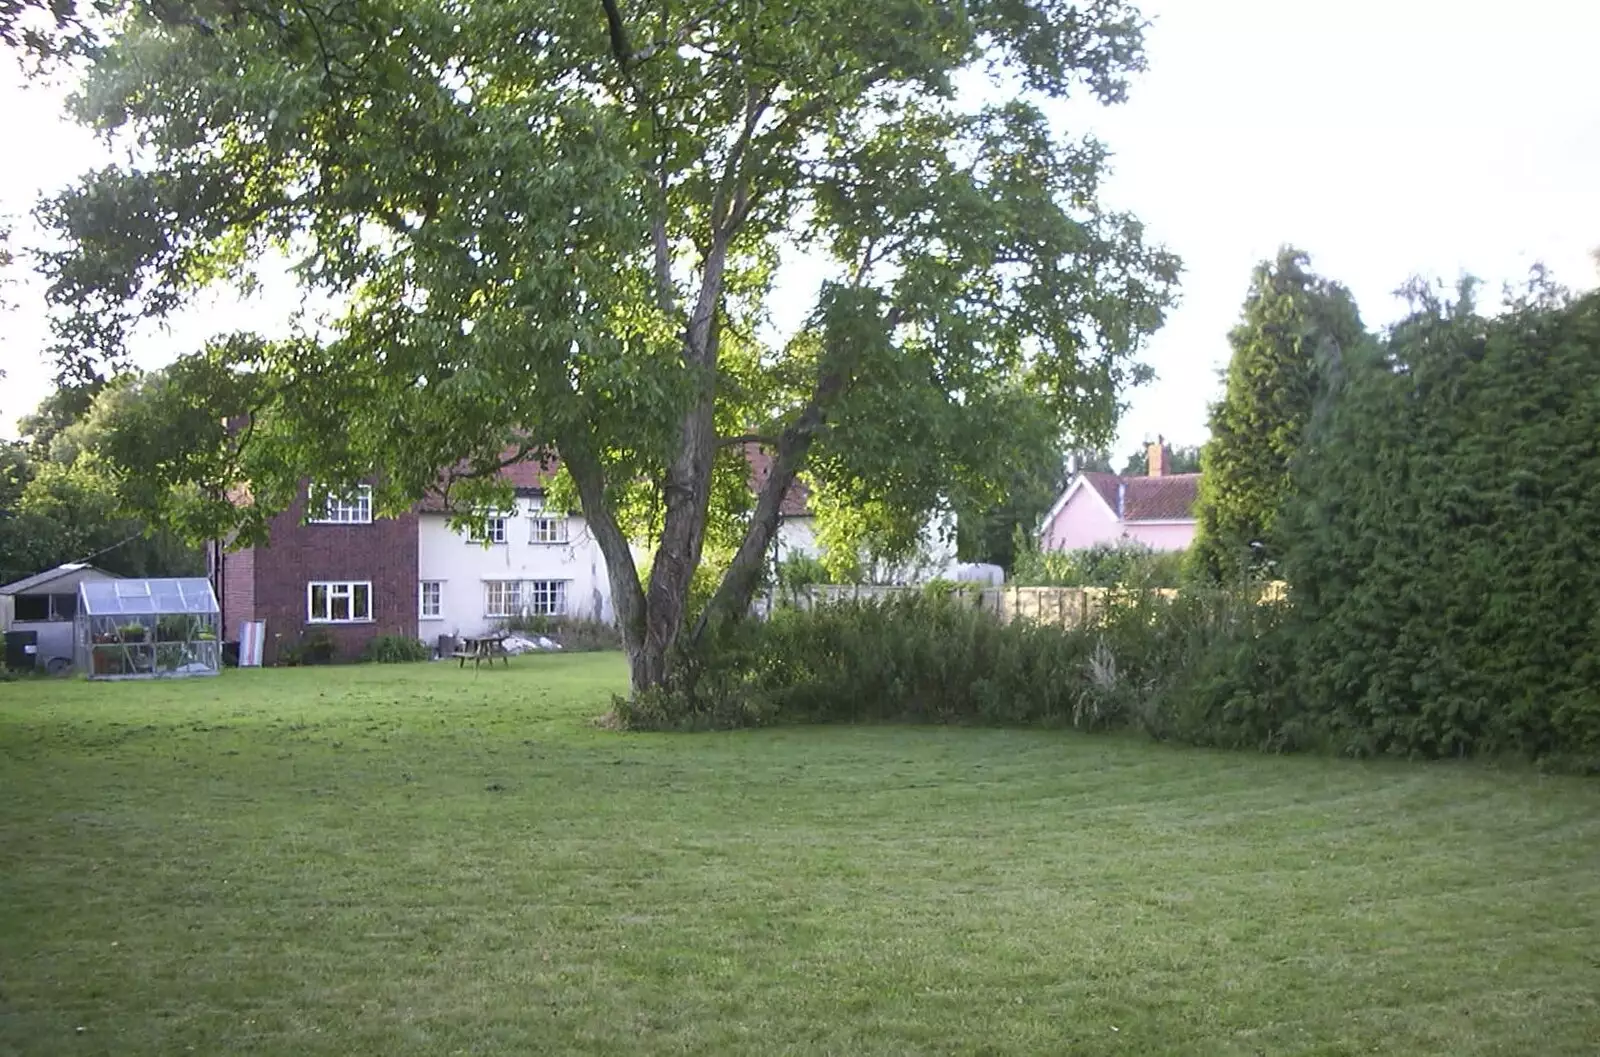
645, 669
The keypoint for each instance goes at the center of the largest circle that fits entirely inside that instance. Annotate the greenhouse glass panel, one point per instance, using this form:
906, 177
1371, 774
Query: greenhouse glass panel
140, 629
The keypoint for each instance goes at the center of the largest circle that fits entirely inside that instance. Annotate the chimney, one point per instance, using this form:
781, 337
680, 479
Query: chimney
1157, 460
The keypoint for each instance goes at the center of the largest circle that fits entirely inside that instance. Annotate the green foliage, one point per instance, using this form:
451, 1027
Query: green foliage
1294, 325
62, 499
799, 571
1441, 556
934, 656
1103, 565
313, 646
396, 649
566, 239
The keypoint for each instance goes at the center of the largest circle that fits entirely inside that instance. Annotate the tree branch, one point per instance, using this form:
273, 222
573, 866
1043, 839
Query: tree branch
768, 439
620, 48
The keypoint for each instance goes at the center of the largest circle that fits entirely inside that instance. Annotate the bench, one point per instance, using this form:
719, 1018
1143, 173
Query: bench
478, 650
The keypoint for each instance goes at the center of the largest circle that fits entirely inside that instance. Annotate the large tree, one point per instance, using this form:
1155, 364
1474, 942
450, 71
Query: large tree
560, 227
1294, 324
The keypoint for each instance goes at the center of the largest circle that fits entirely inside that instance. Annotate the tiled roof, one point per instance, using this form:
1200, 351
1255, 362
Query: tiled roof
1169, 498
530, 475
796, 501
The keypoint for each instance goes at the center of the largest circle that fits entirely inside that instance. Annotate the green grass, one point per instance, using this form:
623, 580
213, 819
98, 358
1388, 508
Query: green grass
398, 860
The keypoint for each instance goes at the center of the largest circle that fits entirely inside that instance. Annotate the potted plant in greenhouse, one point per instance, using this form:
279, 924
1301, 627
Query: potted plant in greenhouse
169, 656
133, 632
172, 628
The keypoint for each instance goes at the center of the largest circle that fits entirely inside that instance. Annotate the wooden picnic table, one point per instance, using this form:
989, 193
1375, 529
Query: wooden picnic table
480, 648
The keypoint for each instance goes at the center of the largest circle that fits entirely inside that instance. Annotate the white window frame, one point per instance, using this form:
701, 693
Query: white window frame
509, 599
337, 589
352, 509
547, 530
422, 599
545, 598
494, 532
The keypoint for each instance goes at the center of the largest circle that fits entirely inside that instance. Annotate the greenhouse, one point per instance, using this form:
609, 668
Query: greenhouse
141, 629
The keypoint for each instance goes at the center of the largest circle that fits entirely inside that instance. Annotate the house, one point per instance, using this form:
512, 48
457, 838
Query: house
529, 562
340, 570
355, 576
44, 605
1156, 510
797, 523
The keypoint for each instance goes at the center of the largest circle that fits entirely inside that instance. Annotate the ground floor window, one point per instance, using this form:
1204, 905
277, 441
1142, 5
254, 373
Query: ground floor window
502, 598
339, 601
546, 598
515, 598
431, 600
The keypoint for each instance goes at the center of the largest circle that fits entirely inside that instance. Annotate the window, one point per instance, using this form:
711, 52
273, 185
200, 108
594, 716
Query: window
546, 598
45, 607
493, 532
339, 602
430, 600
502, 598
544, 529
352, 509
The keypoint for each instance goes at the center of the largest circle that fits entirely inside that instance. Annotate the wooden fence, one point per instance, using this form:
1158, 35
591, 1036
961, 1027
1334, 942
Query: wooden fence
1062, 606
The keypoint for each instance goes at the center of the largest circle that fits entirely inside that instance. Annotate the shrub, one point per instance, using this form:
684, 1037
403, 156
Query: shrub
315, 646
1103, 565
799, 571
396, 649
1441, 543
936, 657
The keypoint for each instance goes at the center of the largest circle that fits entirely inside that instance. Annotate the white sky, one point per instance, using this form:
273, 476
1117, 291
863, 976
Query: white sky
1388, 138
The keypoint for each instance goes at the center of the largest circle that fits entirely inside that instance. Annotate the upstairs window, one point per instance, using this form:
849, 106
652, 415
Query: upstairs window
543, 528
352, 509
493, 531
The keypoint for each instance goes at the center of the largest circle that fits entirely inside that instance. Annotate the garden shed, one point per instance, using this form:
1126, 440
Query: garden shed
37, 615
132, 629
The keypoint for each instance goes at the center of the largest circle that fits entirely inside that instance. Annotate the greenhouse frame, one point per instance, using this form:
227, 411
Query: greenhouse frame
144, 629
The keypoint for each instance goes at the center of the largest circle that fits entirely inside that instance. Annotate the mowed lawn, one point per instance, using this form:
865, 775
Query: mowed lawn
397, 860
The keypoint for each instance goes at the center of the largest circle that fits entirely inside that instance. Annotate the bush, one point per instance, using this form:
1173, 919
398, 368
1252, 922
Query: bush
1103, 565
396, 649
936, 657
315, 646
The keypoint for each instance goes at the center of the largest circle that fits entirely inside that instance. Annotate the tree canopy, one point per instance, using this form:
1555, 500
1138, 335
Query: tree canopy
1294, 325
61, 496
563, 228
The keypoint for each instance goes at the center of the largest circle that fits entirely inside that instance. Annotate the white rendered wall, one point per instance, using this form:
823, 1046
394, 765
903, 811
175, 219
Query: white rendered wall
461, 567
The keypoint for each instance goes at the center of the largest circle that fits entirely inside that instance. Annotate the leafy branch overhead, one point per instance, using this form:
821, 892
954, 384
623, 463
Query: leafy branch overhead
570, 227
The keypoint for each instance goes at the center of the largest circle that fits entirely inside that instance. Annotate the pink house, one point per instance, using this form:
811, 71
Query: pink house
1156, 511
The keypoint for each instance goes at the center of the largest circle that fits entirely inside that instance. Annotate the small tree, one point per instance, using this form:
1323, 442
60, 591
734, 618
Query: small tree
1294, 323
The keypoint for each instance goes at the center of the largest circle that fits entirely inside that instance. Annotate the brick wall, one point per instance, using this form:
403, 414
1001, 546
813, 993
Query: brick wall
383, 552
238, 594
